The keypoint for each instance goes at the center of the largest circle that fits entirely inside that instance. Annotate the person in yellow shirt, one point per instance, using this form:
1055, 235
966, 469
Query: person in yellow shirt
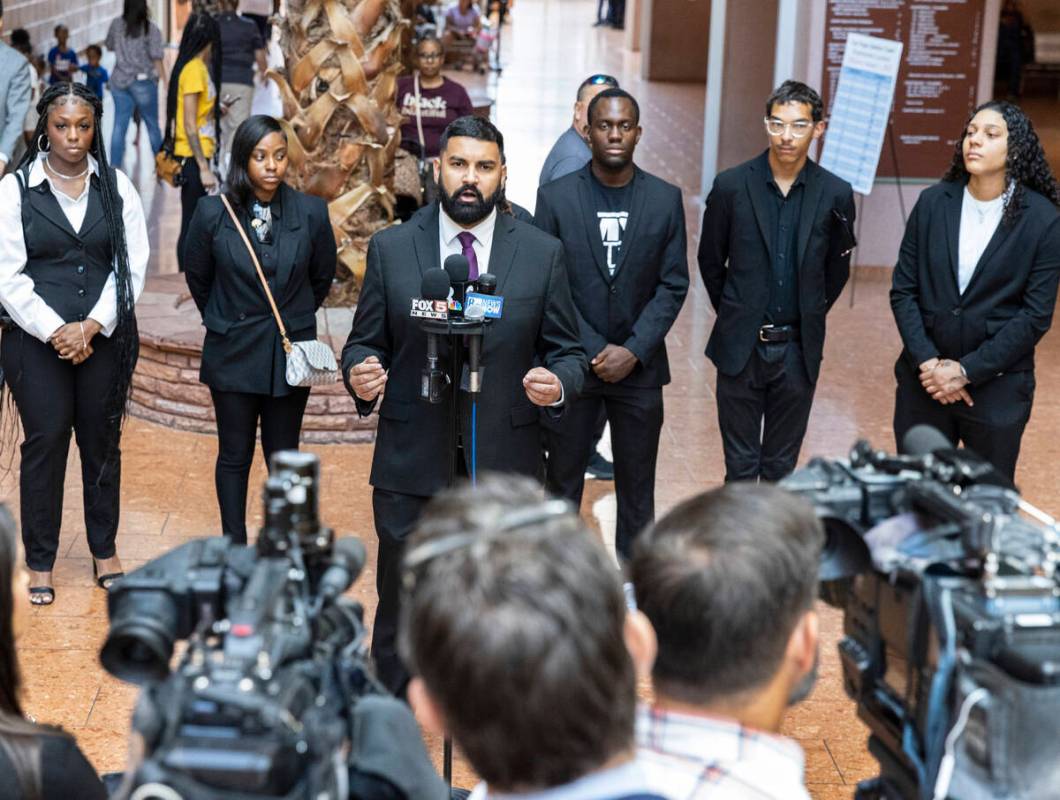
193, 114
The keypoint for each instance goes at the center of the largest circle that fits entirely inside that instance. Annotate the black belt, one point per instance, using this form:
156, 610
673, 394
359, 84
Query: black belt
778, 333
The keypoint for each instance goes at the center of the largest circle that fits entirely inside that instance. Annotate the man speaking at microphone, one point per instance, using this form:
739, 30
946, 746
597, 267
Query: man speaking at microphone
387, 347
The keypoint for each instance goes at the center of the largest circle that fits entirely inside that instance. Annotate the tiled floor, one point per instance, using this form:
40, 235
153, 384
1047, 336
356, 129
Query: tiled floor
168, 494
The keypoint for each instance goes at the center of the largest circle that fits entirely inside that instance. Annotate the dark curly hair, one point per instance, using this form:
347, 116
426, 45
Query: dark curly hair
1025, 167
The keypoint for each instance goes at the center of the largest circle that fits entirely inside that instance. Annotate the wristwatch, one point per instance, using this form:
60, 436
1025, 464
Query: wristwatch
964, 372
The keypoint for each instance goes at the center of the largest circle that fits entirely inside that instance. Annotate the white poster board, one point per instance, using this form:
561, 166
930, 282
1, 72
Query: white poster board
862, 106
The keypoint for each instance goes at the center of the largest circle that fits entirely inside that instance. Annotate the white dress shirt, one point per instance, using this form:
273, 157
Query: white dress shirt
979, 220
625, 780
27, 308
449, 245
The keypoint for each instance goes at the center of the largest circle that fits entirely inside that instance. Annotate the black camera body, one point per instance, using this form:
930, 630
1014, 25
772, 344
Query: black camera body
274, 695
951, 646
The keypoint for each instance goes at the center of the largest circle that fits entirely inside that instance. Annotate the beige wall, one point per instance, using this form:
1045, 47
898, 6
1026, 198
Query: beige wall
87, 20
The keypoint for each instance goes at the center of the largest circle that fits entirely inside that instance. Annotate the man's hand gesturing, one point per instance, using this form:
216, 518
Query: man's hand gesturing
542, 387
368, 379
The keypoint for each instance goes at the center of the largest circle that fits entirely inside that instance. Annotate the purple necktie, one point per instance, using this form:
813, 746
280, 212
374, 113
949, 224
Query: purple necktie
467, 239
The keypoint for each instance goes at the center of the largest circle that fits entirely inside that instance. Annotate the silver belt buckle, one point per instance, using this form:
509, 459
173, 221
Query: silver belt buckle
762, 332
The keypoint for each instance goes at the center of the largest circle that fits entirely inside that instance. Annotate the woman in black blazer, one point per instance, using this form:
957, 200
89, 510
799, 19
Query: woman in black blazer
35, 760
975, 286
243, 361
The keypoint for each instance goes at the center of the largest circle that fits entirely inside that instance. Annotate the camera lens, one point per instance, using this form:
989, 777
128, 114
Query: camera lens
140, 643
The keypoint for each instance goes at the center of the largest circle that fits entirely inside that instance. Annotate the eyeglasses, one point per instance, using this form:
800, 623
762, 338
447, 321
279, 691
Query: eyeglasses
799, 128
417, 559
429, 56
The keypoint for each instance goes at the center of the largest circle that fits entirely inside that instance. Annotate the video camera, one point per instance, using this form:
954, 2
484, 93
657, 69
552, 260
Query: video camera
274, 695
951, 643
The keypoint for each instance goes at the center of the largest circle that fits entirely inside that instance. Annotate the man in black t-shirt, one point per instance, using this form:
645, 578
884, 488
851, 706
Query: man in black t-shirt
623, 231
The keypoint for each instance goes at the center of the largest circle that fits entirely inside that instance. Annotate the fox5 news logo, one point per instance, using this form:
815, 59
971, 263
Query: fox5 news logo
428, 309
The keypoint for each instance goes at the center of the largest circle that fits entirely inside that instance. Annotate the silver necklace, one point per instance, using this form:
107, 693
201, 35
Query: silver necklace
54, 171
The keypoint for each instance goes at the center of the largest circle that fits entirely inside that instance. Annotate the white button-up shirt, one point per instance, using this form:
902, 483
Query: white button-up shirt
979, 220
449, 244
17, 292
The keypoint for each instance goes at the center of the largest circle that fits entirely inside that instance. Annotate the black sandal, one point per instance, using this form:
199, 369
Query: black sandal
45, 593
105, 581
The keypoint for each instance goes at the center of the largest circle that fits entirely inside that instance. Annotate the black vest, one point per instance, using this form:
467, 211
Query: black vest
68, 268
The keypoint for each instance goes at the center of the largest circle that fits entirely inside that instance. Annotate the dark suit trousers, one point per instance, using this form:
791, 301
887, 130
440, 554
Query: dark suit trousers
992, 428
54, 397
763, 412
396, 515
636, 417
237, 428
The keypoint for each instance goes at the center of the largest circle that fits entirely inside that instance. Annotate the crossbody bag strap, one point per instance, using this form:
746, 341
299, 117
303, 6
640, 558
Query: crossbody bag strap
261, 275
419, 120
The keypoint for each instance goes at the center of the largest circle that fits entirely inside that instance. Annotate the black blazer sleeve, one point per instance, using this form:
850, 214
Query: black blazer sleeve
558, 344
1021, 333
713, 253
593, 342
837, 265
199, 264
659, 314
905, 294
322, 262
66, 773
370, 335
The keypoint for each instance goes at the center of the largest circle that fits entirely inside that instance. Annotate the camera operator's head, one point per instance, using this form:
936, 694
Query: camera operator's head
728, 580
514, 625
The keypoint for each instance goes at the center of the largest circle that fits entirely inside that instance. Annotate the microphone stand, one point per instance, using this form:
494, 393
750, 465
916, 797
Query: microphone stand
455, 330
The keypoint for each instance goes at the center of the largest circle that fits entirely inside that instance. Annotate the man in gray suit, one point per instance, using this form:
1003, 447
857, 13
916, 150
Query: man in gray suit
14, 97
571, 152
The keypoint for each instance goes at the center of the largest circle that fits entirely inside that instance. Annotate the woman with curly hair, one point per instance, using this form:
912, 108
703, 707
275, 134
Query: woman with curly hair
975, 286
73, 254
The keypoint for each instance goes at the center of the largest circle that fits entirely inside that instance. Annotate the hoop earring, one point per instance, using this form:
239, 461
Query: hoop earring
43, 145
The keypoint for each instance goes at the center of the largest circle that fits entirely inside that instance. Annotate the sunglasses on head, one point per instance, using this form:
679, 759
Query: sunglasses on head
597, 80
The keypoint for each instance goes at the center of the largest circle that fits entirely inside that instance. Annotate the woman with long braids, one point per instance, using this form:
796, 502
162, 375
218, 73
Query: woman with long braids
193, 115
73, 254
975, 286
35, 760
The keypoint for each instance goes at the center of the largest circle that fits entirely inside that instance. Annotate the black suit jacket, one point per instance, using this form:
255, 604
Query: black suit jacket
638, 305
735, 259
538, 326
1008, 305
243, 351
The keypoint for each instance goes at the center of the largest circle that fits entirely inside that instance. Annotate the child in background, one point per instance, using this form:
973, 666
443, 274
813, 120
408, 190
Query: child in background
62, 58
95, 74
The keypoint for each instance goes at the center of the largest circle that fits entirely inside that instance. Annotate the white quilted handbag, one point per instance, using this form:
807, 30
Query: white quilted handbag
309, 363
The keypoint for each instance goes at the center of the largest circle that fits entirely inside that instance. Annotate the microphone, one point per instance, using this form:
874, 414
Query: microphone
434, 289
486, 283
347, 561
474, 350
458, 270
923, 440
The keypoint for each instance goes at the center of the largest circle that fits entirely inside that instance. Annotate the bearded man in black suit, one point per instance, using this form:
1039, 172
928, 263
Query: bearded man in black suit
531, 356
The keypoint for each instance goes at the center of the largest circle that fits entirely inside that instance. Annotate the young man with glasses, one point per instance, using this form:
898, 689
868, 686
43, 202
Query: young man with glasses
774, 253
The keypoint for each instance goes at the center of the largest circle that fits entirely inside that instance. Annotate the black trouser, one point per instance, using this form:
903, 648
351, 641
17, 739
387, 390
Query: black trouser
237, 426
190, 192
992, 428
763, 412
636, 417
54, 397
396, 515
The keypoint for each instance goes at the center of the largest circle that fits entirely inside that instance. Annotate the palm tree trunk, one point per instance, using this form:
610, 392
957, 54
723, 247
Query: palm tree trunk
338, 88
